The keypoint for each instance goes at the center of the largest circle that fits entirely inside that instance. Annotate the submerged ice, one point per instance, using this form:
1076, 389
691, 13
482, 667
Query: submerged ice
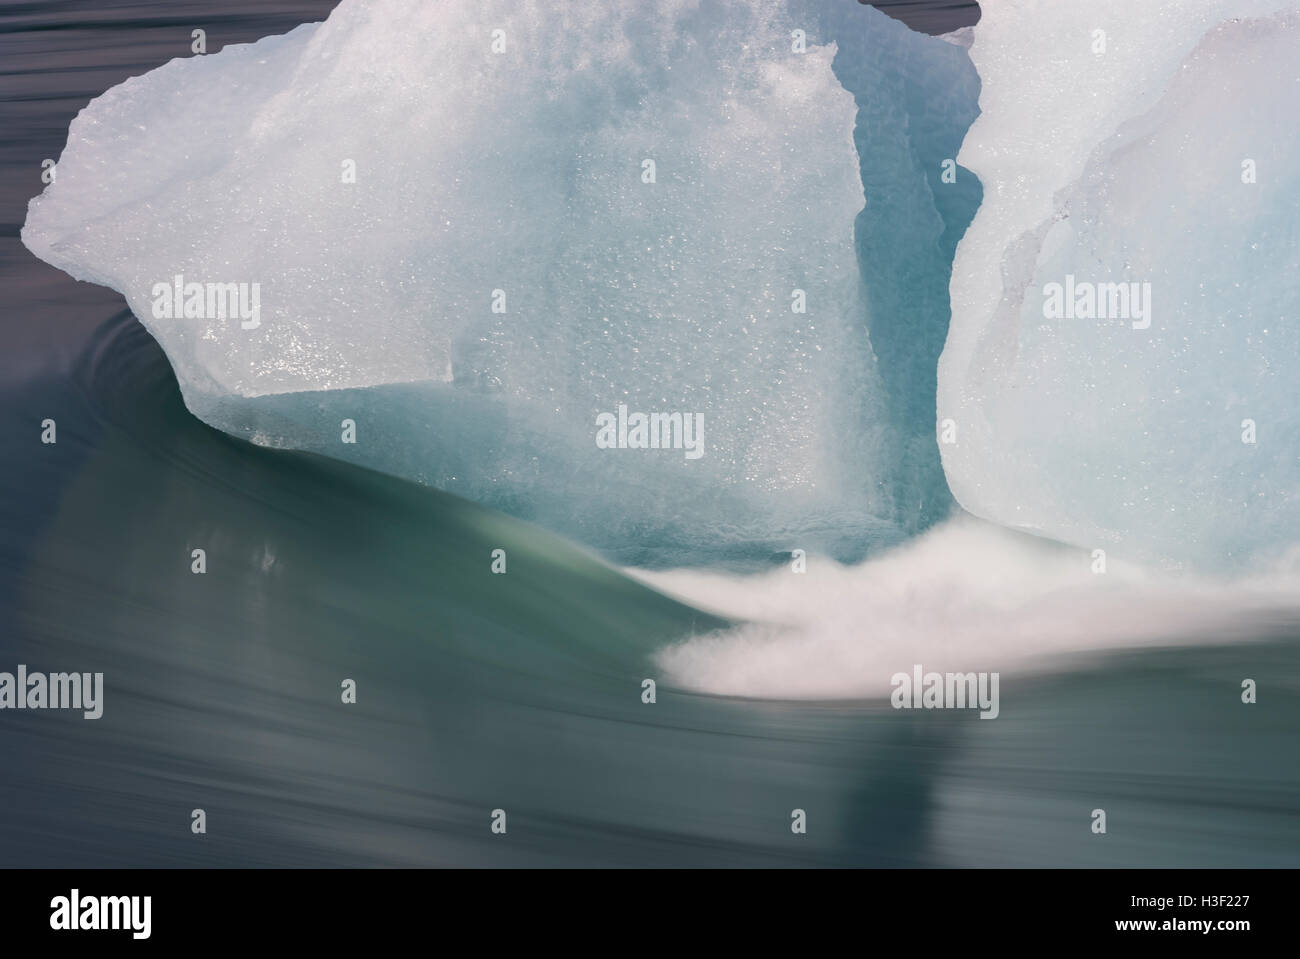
476, 229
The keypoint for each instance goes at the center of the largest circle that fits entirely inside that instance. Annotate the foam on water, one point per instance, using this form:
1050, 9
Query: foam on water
967, 596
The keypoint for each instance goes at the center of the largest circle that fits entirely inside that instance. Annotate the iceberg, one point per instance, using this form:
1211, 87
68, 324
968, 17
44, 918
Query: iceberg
449, 241
1120, 366
456, 242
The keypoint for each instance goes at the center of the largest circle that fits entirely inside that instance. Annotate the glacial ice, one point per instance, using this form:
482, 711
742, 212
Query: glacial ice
500, 154
1127, 163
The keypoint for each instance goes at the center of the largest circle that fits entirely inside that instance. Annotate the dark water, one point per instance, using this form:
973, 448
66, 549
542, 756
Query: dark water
477, 691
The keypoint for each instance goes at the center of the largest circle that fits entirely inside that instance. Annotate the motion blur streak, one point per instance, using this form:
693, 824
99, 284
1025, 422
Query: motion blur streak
967, 595
223, 694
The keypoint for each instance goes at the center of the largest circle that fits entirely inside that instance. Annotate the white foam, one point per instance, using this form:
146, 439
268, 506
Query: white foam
967, 596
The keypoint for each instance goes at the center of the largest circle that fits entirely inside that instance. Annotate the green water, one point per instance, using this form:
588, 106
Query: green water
522, 692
